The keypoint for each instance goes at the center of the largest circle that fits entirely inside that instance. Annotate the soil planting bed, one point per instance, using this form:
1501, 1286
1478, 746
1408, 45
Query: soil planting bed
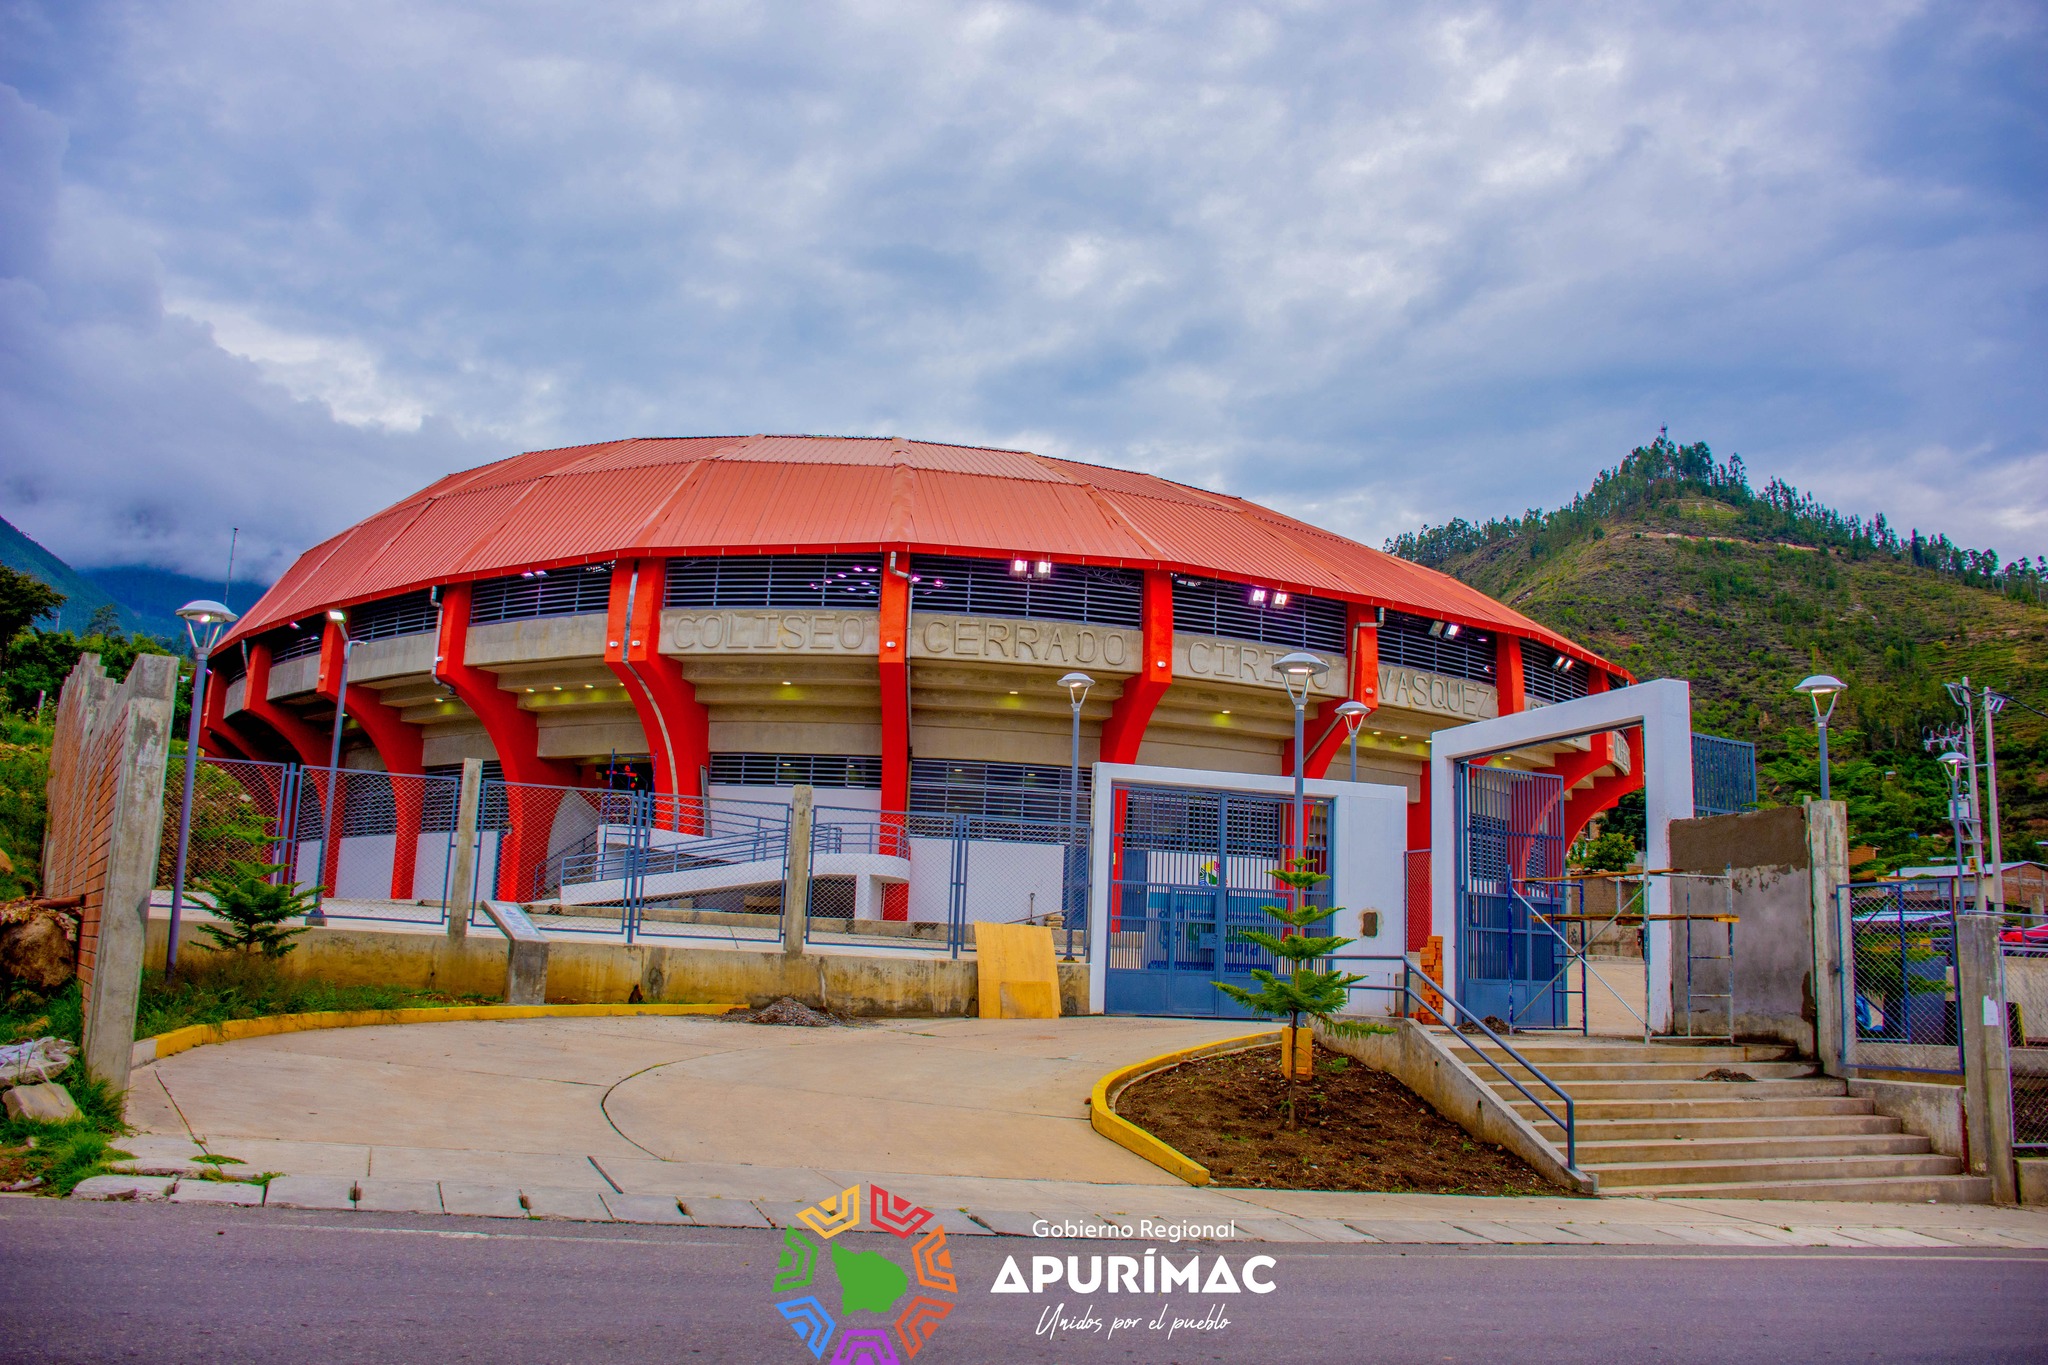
1357, 1129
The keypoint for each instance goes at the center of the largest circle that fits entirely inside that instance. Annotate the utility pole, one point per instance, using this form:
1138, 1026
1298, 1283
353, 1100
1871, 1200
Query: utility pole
1960, 695
1993, 704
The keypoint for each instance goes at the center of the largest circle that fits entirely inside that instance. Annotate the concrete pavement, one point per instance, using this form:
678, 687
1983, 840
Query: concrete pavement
721, 1123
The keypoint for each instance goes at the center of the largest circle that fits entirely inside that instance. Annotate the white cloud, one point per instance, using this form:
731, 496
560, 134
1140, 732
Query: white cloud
1372, 263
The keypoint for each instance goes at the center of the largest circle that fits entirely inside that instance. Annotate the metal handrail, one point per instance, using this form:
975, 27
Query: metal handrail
1569, 1122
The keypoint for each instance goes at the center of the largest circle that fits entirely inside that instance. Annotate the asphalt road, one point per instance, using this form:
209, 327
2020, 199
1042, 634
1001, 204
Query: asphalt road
136, 1282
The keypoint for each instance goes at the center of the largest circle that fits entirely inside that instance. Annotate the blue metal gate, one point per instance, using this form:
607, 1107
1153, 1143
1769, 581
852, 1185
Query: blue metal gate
1511, 862
1190, 868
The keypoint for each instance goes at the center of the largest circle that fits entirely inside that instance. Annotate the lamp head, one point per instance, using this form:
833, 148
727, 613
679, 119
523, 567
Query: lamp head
205, 612
1353, 714
1952, 763
1077, 685
336, 614
1300, 671
1822, 689
205, 622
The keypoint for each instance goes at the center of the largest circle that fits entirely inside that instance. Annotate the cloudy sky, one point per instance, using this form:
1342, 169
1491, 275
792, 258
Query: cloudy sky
277, 266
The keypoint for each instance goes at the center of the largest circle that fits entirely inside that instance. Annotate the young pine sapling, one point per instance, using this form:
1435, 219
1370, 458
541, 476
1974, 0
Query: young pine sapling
253, 909
1304, 991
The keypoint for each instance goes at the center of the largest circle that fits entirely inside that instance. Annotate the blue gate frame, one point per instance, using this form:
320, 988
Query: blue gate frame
1190, 868
1510, 866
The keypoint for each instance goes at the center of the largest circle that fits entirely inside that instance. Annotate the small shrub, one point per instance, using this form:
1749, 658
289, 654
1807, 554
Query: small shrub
1612, 852
254, 909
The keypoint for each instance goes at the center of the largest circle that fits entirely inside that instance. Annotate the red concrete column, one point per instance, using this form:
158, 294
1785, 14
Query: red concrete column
1419, 907
1605, 791
215, 737
515, 735
1124, 731
893, 644
309, 744
1509, 684
1327, 735
401, 747
676, 724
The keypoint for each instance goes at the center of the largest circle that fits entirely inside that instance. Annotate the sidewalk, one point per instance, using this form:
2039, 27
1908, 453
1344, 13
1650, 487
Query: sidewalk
695, 1120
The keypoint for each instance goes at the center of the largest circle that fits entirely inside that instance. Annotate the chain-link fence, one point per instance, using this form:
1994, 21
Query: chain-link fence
240, 814
640, 864
630, 864
371, 845
968, 868
2023, 948
1900, 1003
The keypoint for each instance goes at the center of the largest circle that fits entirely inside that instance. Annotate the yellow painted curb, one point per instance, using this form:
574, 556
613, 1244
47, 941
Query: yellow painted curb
1102, 1115
198, 1035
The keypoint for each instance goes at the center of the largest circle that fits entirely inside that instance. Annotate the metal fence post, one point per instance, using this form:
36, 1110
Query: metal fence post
796, 884
462, 878
1987, 1059
956, 901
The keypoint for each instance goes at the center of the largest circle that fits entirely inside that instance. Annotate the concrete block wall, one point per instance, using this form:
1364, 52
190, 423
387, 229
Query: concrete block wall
1767, 852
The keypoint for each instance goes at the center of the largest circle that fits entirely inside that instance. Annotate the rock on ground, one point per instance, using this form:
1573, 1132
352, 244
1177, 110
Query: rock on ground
47, 1103
36, 949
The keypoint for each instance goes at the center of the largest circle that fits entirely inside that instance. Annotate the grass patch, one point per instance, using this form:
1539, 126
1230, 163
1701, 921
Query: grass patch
62, 1154
26, 1014
218, 987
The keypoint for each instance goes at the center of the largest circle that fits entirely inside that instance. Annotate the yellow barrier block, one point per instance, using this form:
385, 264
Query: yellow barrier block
1018, 977
1104, 1119
198, 1035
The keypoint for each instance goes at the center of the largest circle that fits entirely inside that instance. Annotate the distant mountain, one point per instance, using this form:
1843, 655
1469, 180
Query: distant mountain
147, 599
155, 595
1672, 566
82, 597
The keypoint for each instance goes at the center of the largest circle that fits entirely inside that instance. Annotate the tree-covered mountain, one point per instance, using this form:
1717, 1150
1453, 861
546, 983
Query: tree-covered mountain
1673, 566
134, 599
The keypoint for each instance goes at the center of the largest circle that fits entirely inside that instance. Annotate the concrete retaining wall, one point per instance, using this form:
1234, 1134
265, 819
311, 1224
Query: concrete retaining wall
1425, 1064
2033, 1177
1935, 1112
880, 984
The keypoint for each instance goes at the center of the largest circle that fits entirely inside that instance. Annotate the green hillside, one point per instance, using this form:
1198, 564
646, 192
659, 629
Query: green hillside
1672, 566
82, 597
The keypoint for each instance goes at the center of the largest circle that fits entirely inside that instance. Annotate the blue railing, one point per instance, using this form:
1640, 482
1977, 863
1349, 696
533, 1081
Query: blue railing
1413, 1001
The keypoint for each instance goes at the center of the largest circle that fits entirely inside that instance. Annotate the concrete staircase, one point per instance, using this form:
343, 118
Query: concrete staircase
1649, 1125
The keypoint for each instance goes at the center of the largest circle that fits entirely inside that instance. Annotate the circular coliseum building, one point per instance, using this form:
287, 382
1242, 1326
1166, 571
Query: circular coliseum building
724, 618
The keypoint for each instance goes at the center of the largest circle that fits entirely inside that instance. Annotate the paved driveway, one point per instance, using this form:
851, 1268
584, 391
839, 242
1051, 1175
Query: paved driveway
664, 1103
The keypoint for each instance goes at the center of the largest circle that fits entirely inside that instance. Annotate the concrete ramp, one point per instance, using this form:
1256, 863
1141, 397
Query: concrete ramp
869, 870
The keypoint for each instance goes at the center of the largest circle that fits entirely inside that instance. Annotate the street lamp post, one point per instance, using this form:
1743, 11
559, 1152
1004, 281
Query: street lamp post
1300, 671
330, 832
205, 622
1077, 685
1822, 689
1353, 714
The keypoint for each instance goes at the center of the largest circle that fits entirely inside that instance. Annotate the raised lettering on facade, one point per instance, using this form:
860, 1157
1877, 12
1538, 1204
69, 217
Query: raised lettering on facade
769, 632
1059, 644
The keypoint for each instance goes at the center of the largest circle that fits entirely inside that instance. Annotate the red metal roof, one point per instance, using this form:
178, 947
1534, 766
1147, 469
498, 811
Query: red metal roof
767, 494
